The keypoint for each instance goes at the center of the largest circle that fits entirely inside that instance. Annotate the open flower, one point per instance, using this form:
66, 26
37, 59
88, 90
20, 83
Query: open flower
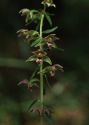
54, 68
39, 56
24, 11
41, 111
28, 34
23, 32
50, 39
24, 82
49, 3
28, 83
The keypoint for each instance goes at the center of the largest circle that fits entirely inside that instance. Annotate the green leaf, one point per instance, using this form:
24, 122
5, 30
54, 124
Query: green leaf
47, 81
34, 73
27, 18
50, 30
31, 59
34, 11
50, 120
48, 60
34, 32
57, 48
37, 27
30, 16
36, 42
48, 19
60, 49
40, 43
34, 80
32, 103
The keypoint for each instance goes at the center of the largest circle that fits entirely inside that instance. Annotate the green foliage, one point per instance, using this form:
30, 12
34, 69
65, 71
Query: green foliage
32, 104
36, 43
31, 59
50, 30
47, 16
48, 60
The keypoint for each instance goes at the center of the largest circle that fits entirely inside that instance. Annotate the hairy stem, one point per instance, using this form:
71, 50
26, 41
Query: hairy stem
41, 65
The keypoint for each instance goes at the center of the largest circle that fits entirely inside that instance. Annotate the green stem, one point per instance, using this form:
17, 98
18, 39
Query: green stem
41, 65
41, 27
41, 85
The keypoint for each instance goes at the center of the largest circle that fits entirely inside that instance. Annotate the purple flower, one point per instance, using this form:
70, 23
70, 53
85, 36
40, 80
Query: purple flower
50, 39
27, 83
41, 111
24, 82
54, 68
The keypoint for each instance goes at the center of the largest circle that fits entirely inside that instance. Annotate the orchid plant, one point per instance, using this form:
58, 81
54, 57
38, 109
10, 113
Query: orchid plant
40, 41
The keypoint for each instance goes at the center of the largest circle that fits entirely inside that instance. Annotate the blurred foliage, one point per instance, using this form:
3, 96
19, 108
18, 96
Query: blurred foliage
70, 92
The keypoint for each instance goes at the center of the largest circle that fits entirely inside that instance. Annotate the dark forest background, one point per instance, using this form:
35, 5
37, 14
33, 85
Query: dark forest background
70, 90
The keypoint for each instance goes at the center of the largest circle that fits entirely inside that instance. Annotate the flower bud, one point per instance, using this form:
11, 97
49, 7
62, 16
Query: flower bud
24, 11
49, 3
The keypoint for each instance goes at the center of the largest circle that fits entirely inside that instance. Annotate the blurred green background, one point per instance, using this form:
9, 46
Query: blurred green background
70, 90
